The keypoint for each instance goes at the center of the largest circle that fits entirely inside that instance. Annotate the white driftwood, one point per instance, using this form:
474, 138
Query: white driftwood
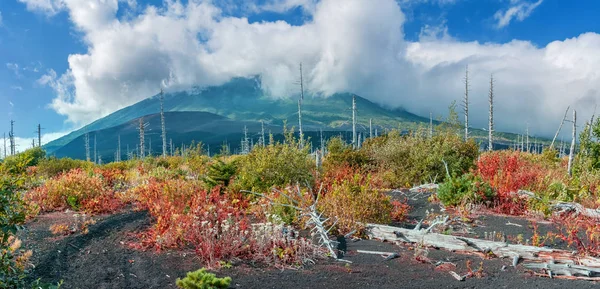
472, 245
562, 207
565, 269
426, 187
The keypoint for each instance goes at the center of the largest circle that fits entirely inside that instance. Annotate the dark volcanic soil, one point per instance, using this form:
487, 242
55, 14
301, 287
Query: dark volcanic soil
102, 259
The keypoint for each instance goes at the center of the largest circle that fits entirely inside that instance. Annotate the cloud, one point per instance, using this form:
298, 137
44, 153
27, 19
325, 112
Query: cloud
15, 68
354, 45
519, 9
49, 7
17, 87
0, 18
23, 144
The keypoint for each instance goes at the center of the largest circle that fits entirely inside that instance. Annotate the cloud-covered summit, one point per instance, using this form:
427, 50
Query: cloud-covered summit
352, 45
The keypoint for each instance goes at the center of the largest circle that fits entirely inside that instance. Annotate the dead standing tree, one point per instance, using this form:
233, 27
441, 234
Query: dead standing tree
491, 120
560, 127
142, 138
572, 150
354, 144
465, 104
86, 140
162, 124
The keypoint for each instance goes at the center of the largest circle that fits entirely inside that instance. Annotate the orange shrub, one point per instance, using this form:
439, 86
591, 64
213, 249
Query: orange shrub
76, 189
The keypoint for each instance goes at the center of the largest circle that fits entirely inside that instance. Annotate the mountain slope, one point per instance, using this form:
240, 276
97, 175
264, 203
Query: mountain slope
242, 100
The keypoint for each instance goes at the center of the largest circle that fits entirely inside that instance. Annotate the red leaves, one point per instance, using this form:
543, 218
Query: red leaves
400, 210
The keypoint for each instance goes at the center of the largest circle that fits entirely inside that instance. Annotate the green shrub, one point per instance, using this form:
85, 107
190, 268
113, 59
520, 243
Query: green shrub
406, 160
12, 215
466, 188
201, 279
53, 166
275, 165
341, 154
220, 173
19, 163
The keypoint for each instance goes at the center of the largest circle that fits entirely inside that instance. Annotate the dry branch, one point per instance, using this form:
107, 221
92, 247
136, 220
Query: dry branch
472, 245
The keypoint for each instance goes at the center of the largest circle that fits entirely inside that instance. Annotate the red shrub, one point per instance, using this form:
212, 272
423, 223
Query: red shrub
580, 232
400, 210
77, 190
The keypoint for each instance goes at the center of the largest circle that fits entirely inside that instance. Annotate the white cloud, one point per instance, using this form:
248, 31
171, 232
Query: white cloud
353, 45
23, 144
519, 10
16, 87
49, 7
15, 68
0, 18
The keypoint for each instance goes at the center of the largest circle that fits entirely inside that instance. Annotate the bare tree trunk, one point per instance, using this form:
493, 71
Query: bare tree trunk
39, 132
142, 139
527, 135
87, 146
301, 134
491, 120
572, 150
370, 128
171, 146
466, 103
262, 133
430, 125
11, 136
354, 122
118, 158
95, 150
4, 137
560, 127
163, 126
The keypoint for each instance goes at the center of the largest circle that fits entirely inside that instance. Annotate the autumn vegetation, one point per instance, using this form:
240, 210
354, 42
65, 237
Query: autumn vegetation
233, 208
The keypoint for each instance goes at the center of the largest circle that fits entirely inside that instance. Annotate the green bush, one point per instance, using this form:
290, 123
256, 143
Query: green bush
275, 165
466, 188
19, 163
12, 215
201, 279
53, 166
415, 158
220, 173
341, 154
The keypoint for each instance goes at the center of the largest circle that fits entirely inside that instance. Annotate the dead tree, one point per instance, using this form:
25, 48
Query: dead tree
527, 136
262, 133
11, 136
118, 157
87, 146
430, 125
466, 103
560, 127
162, 124
39, 132
354, 122
95, 150
572, 150
171, 146
370, 128
150, 146
32, 143
4, 137
142, 139
301, 134
491, 121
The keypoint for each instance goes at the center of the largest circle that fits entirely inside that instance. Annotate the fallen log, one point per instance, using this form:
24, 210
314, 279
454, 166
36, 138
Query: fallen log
562, 207
569, 270
472, 245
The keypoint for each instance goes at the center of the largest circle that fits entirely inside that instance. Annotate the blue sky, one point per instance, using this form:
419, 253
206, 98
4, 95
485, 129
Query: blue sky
36, 40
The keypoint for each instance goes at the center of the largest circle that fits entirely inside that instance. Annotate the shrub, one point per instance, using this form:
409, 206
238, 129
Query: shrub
466, 188
341, 154
12, 215
18, 164
275, 165
202, 280
400, 210
355, 199
220, 173
406, 160
53, 166
76, 189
